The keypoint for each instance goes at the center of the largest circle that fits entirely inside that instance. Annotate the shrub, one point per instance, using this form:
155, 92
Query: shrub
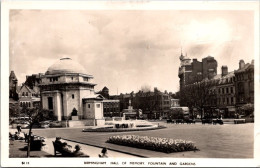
153, 143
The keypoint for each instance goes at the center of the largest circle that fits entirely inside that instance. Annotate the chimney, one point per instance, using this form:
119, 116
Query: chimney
224, 71
252, 62
241, 64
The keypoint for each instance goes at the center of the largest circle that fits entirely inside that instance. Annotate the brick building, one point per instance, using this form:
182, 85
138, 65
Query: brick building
244, 83
111, 108
28, 97
195, 71
227, 91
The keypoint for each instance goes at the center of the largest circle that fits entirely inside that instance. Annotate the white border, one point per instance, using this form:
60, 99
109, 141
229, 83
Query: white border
119, 5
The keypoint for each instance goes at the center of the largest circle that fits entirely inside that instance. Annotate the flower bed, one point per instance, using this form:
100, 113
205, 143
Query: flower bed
153, 143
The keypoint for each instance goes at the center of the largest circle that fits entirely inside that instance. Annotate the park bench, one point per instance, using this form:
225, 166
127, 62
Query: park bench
58, 149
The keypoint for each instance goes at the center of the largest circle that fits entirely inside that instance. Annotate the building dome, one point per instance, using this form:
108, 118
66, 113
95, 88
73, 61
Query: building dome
65, 65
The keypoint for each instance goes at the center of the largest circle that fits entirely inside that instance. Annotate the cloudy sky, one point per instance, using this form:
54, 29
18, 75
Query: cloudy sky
127, 49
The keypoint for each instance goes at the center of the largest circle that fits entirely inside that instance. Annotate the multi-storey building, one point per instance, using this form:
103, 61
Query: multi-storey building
227, 91
196, 71
111, 108
226, 99
28, 97
244, 83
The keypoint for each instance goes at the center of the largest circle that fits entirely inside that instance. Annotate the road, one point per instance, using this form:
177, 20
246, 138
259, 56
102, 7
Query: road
214, 141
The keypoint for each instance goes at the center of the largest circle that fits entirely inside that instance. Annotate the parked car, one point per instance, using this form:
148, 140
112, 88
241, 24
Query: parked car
23, 124
45, 124
55, 124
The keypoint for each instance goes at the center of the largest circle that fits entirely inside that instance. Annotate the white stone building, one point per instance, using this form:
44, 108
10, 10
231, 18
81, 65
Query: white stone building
66, 86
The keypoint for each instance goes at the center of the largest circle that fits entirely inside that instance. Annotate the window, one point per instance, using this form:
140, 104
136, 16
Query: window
26, 93
21, 104
85, 79
23, 94
72, 96
29, 104
98, 105
53, 79
232, 100
223, 91
231, 89
71, 78
88, 105
50, 103
226, 90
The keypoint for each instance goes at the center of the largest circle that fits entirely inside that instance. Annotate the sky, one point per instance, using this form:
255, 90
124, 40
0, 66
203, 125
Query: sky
127, 49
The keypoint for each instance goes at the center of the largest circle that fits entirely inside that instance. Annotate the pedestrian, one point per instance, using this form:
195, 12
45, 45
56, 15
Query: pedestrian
77, 151
19, 129
104, 153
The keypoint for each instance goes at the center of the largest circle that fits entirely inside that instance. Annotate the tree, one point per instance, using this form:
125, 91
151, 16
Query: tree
196, 95
35, 115
147, 101
13, 110
248, 109
145, 88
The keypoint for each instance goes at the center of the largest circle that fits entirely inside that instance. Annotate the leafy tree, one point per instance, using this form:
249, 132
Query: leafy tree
13, 110
35, 115
248, 109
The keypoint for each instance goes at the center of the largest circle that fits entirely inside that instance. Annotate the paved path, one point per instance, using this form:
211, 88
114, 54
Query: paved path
214, 141
48, 149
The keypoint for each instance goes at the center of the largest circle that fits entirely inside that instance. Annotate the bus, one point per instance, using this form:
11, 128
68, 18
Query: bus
179, 113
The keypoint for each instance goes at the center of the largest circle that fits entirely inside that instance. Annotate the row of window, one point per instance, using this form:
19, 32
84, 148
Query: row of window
226, 90
111, 109
53, 79
25, 104
226, 100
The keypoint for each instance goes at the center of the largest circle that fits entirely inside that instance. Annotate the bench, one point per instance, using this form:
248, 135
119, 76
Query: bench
58, 149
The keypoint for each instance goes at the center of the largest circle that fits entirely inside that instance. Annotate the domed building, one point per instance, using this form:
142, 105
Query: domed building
66, 87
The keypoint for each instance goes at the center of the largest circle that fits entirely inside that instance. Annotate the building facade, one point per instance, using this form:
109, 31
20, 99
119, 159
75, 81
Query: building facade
111, 108
28, 97
222, 93
66, 86
195, 71
244, 83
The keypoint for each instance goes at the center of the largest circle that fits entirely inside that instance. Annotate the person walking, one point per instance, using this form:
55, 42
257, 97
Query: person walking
104, 153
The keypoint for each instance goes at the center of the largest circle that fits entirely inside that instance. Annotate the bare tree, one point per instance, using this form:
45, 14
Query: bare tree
146, 88
197, 95
35, 115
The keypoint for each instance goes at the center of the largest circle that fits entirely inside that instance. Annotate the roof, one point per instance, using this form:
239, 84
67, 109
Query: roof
12, 75
65, 65
95, 96
27, 87
12, 101
246, 67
